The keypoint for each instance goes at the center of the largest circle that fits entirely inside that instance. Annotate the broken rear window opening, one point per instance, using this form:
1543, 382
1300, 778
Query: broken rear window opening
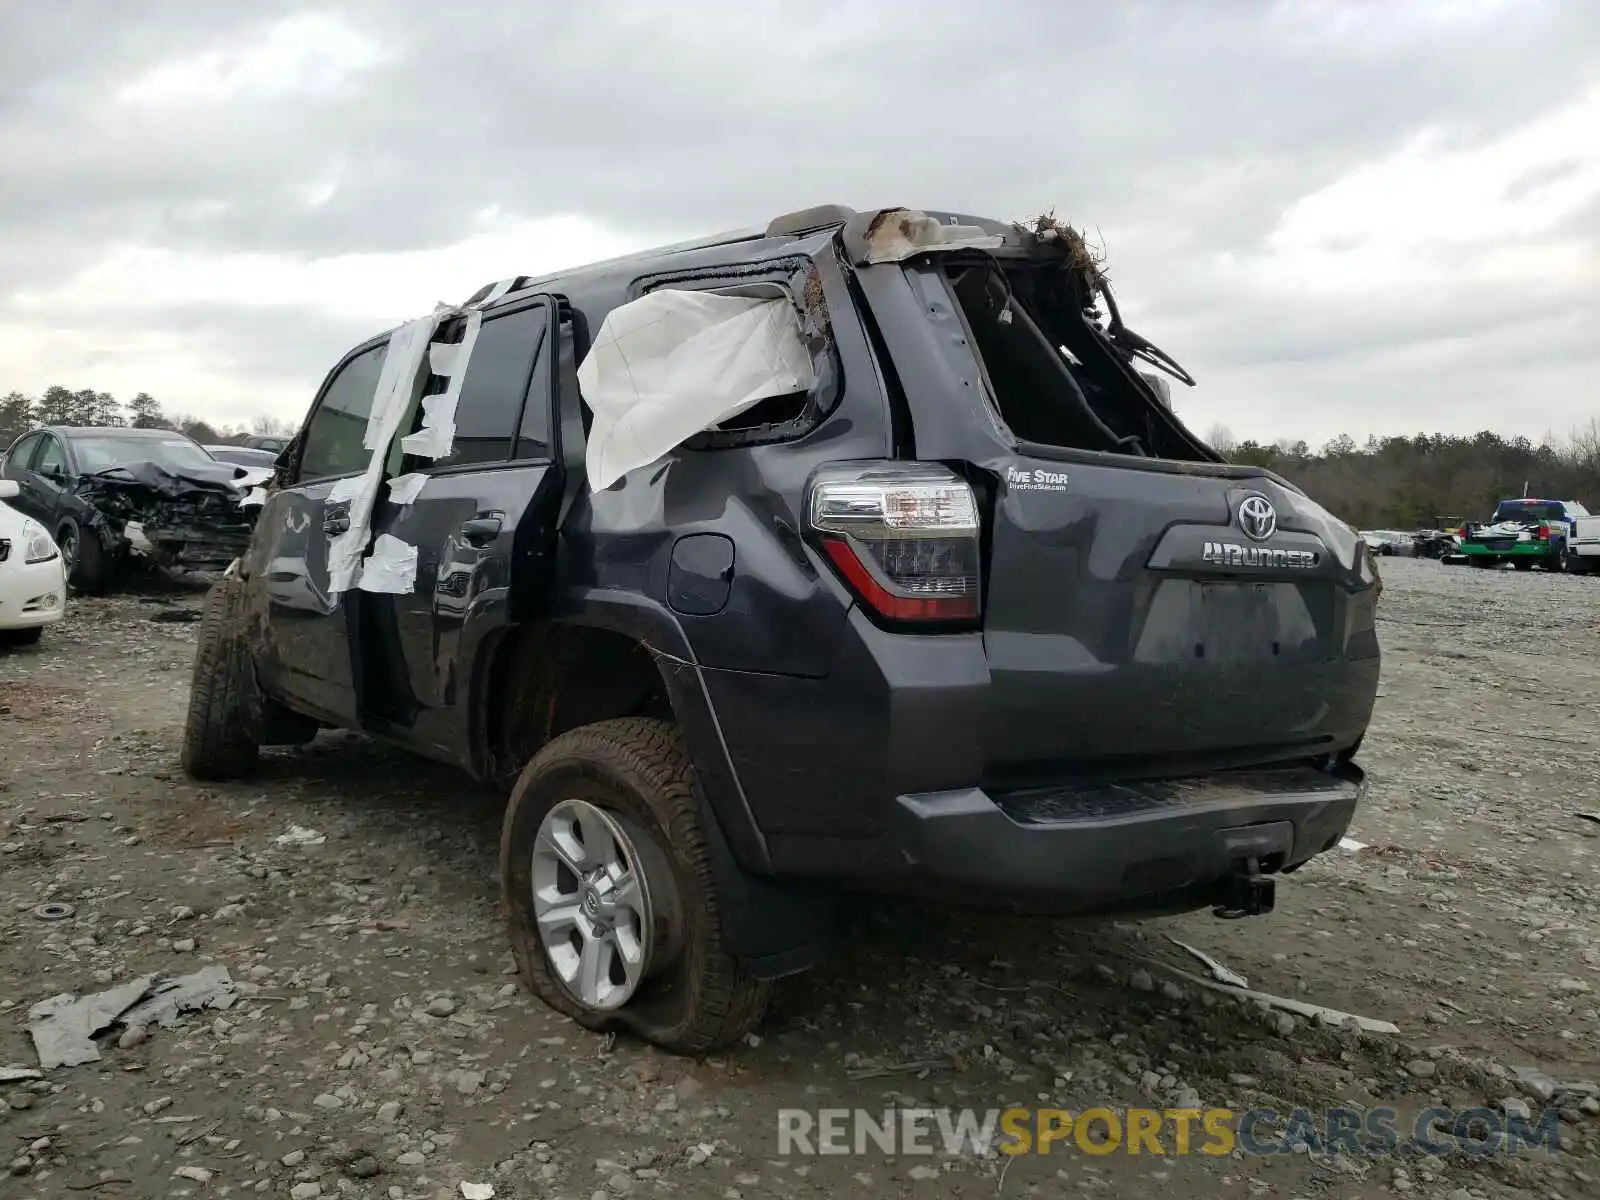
1059, 371
105, 452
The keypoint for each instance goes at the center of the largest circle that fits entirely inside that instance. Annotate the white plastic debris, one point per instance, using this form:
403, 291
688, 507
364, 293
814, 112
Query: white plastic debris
299, 835
477, 1191
672, 363
1218, 972
1351, 845
1329, 1016
390, 568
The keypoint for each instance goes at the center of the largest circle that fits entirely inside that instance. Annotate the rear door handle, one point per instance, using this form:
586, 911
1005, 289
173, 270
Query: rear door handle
336, 519
480, 530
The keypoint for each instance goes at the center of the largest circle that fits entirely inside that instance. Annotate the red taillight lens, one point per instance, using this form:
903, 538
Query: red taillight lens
1543, 533
905, 537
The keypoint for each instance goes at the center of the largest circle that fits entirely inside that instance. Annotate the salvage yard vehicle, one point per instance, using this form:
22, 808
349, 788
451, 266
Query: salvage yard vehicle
1583, 546
87, 485
1387, 542
1525, 533
33, 582
852, 553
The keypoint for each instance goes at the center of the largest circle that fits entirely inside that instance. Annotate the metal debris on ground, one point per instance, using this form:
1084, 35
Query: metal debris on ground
64, 1026
54, 912
910, 1068
1588, 816
176, 616
16, 1074
1221, 973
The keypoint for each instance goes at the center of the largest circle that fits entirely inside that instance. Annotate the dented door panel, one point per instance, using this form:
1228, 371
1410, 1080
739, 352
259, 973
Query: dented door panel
302, 645
465, 526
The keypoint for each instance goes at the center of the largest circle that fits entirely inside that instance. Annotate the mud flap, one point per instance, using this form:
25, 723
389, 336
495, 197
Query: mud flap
774, 929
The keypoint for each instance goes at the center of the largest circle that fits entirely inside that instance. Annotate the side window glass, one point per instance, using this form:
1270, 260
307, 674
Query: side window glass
533, 435
50, 456
333, 437
20, 454
490, 407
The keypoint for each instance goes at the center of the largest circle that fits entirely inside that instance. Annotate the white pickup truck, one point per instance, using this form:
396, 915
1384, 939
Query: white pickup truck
1583, 546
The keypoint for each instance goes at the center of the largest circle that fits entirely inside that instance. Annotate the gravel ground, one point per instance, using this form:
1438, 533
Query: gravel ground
382, 1046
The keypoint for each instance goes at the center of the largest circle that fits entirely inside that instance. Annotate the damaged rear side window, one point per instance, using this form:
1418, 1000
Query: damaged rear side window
1053, 370
333, 437
776, 418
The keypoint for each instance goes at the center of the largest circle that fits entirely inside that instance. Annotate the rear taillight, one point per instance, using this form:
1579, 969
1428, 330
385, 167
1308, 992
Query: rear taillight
903, 536
1543, 533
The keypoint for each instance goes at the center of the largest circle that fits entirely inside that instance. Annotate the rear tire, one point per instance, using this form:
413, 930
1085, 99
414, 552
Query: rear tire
1522, 564
693, 995
222, 736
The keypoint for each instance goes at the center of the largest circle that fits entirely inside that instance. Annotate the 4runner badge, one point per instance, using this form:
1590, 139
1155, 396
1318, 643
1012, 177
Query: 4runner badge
1231, 554
1036, 480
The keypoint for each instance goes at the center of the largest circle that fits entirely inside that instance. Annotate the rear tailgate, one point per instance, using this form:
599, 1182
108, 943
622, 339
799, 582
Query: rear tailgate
1133, 626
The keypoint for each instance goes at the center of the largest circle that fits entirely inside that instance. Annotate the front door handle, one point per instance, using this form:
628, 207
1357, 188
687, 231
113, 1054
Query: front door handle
480, 530
336, 520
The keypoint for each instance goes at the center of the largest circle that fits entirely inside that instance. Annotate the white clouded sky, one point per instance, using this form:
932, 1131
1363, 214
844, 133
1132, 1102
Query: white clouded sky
1343, 217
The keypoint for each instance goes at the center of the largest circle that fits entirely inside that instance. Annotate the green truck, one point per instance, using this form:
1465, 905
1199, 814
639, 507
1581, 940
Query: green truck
1525, 532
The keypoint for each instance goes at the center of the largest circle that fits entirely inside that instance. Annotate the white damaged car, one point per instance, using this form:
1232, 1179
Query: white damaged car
33, 577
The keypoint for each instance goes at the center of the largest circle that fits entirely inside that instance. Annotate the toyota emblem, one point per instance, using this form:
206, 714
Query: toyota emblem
1257, 517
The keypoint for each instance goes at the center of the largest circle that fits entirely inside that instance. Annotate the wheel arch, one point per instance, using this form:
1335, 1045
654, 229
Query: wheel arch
603, 654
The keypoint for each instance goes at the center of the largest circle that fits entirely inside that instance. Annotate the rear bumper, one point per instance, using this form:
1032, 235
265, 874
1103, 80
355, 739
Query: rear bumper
1117, 845
1515, 550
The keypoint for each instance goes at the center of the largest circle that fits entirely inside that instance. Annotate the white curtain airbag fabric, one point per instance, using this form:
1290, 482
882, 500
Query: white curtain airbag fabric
672, 363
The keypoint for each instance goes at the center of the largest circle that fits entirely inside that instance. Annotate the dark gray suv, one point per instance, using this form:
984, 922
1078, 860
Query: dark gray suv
947, 602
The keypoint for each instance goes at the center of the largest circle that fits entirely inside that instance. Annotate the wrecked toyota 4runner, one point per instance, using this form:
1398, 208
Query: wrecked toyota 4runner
854, 553
108, 492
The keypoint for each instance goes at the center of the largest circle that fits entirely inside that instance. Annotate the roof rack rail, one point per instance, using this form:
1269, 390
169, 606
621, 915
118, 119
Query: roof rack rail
808, 220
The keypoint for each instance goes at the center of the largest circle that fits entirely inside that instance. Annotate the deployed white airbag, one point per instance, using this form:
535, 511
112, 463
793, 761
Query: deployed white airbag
672, 363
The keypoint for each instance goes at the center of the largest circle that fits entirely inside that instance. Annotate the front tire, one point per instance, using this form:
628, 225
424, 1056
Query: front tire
21, 637
90, 568
222, 735
605, 824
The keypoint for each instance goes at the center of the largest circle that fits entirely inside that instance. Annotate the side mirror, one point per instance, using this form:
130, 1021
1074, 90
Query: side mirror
10, 489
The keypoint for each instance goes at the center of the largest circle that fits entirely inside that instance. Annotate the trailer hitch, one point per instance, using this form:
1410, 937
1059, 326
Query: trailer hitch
1246, 892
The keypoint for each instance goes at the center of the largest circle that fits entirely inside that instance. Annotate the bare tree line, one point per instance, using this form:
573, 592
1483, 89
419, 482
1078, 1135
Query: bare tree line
85, 406
1429, 479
